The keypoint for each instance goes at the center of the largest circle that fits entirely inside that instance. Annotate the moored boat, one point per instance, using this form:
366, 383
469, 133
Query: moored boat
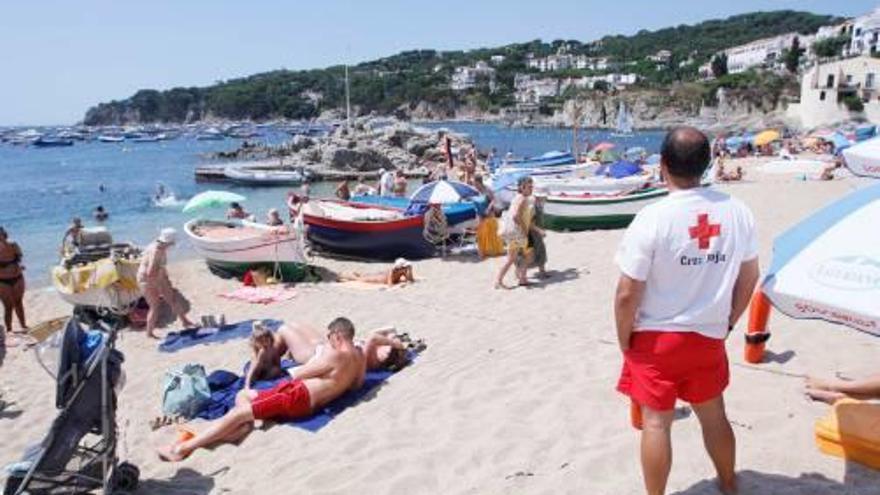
48, 142
596, 210
456, 213
365, 231
106, 138
257, 177
549, 159
232, 247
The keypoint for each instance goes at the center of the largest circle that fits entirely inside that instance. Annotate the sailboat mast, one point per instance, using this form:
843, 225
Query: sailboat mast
347, 99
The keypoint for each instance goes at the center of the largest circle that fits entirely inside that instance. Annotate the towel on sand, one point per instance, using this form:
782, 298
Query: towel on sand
261, 295
225, 385
176, 341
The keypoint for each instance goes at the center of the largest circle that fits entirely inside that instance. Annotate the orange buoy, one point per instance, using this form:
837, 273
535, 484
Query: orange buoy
757, 335
635, 414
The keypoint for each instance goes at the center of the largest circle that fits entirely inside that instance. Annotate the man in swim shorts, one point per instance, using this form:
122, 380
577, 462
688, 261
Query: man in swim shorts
689, 264
338, 369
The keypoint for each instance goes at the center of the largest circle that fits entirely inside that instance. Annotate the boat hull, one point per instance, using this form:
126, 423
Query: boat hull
380, 240
456, 213
260, 178
571, 213
278, 250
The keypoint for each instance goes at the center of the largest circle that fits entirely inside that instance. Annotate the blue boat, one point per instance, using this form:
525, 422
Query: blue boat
46, 142
549, 159
456, 213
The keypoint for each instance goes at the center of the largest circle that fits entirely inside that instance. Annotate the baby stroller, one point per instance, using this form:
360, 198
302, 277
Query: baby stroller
79, 453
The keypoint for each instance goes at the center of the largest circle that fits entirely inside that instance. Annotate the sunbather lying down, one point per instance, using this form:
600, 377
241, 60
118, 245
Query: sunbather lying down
400, 272
332, 364
831, 390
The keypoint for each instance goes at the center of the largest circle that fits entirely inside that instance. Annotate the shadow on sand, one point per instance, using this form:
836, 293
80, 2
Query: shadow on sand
185, 481
857, 480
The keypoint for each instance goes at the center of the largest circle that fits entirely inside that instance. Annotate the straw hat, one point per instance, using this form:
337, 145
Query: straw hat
167, 236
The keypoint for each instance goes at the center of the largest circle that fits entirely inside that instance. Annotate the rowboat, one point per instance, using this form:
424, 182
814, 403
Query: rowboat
48, 142
104, 138
232, 247
365, 231
263, 178
596, 210
549, 159
456, 213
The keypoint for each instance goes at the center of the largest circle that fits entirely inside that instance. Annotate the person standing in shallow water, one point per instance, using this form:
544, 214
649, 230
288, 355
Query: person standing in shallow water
688, 264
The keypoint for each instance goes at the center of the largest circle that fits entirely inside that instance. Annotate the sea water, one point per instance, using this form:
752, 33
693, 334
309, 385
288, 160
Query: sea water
43, 188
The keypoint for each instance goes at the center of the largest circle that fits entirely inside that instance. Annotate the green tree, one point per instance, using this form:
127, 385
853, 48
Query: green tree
792, 56
719, 65
830, 47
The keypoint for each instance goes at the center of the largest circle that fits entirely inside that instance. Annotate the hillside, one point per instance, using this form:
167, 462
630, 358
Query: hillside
402, 82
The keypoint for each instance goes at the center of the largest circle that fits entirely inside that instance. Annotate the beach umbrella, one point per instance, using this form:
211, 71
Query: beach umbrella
444, 191
864, 158
212, 199
767, 137
828, 265
603, 146
619, 169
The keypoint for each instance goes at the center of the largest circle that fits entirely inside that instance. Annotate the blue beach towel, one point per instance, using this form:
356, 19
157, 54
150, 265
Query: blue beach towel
225, 385
190, 337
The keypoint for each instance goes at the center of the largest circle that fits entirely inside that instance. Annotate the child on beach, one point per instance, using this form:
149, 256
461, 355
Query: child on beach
265, 362
689, 265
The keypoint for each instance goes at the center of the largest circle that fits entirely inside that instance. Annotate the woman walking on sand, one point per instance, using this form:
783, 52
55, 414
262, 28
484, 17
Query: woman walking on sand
515, 227
11, 284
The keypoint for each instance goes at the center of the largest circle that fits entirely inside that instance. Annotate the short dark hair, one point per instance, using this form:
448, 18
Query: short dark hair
234, 205
343, 326
686, 152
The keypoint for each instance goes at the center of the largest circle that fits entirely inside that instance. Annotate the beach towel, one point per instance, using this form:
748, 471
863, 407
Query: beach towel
225, 385
190, 337
261, 295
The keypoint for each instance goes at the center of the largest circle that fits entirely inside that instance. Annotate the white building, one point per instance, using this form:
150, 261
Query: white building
824, 87
705, 71
496, 59
465, 78
759, 53
865, 33
661, 57
532, 91
563, 61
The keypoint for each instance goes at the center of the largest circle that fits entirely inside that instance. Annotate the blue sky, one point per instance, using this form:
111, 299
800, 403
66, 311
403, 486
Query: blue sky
60, 57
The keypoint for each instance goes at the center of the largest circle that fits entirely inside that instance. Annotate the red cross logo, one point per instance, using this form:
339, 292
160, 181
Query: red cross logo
703, 231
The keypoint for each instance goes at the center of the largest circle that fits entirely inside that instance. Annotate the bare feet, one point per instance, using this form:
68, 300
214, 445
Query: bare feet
500, 285
727, 487
826, 396
171, 453
152, 335
818, 383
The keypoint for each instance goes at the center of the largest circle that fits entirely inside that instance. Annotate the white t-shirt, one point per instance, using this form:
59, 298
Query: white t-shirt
688, 249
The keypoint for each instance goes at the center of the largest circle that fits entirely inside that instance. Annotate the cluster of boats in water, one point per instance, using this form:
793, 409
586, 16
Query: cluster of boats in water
66, 136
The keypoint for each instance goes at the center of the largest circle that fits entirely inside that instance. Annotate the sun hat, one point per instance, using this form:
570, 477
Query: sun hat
401, 263
167, 236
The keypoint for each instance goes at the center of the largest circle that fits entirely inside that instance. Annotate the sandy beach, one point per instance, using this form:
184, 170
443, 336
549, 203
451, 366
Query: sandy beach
514, 394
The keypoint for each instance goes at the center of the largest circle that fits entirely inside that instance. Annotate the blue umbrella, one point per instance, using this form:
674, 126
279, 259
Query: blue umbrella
619, 169
444, 191
839, 141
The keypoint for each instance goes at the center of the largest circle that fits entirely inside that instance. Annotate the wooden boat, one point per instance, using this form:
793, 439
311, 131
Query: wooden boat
263, 178
456, 213
596, 210
365, 231
232, 247
549, 159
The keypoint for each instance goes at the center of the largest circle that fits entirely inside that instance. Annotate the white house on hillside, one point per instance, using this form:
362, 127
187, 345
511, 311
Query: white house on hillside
865, 33
466, 78
825, 86
757, 53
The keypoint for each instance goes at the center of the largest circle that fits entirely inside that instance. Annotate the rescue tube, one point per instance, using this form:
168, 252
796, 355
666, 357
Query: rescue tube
757, 335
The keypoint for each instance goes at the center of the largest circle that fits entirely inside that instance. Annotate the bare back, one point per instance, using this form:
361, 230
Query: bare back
346, 368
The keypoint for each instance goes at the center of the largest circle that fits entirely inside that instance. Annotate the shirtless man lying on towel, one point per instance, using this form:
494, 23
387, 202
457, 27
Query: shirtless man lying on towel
339, 368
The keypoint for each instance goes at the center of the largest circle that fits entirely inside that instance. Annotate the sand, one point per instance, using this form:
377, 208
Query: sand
515, 393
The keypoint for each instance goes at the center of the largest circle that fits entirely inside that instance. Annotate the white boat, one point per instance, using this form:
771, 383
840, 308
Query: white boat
257, 177
624, 122
232, 247
104, 138
582, 185
597, 211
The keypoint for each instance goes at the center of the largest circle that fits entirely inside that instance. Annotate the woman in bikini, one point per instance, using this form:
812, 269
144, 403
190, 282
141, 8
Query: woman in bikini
11, 284
382, 349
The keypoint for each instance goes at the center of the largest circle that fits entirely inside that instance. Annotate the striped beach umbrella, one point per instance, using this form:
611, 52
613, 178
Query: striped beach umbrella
828, 265
444, 191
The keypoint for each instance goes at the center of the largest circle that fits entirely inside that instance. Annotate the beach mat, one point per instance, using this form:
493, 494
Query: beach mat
260, 295
190, 337
226, 384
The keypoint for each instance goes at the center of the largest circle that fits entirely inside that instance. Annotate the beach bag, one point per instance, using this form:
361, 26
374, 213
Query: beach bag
508, 230
185, 391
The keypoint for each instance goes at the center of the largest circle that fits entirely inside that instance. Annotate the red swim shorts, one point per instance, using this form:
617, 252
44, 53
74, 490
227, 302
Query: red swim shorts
660, 367
288, 400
